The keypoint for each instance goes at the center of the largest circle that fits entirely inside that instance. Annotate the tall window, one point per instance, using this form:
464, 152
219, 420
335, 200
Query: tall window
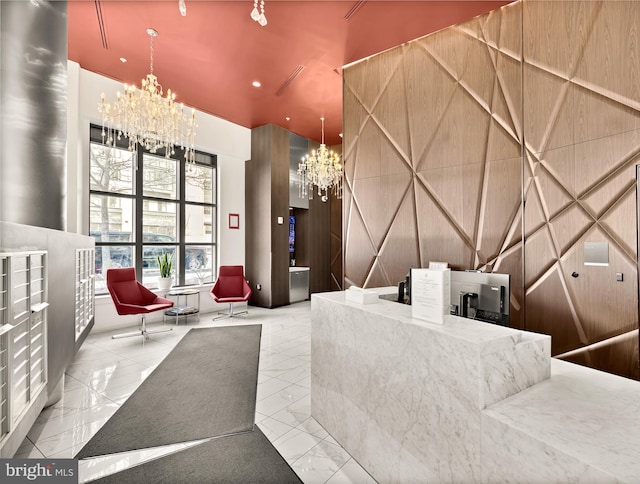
144, 205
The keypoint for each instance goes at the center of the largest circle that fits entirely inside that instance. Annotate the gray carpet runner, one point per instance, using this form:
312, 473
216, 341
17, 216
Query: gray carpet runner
234, 459
206, 387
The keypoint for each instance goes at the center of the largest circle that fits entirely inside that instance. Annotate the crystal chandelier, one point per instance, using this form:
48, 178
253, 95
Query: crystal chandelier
323, 169
258, 16
149, 118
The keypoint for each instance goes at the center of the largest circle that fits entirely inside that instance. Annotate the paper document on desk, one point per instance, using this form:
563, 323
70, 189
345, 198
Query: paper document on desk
430, 294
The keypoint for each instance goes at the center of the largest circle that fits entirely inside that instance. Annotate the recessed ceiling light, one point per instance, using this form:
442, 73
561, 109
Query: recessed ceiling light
123, 60
256, 84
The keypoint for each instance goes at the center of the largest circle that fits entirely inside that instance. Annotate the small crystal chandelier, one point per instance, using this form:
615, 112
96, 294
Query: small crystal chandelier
258, 16
149, 118
323, 169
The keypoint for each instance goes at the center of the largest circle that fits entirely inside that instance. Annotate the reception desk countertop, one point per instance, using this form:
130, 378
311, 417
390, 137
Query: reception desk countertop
583, 425
465, 401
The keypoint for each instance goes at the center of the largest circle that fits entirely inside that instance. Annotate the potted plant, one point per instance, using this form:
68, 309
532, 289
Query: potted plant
201, 274
165, 263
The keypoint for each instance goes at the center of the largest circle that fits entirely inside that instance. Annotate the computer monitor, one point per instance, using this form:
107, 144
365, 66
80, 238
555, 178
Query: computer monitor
481, 295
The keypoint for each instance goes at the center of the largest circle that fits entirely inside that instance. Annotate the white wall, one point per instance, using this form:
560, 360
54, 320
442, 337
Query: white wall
231, 200
231, 142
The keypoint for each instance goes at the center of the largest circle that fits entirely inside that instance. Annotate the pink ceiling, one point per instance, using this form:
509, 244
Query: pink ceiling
210, 57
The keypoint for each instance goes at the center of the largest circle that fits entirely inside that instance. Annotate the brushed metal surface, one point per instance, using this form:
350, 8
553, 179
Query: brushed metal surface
33, 119
298, 285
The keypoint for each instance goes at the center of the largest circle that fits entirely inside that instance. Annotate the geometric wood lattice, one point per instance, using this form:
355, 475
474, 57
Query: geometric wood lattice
504, 144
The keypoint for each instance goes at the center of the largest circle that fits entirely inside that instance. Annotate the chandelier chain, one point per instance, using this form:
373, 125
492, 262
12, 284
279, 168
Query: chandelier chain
151, 55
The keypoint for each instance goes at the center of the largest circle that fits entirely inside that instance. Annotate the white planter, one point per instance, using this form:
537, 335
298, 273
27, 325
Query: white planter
164, 283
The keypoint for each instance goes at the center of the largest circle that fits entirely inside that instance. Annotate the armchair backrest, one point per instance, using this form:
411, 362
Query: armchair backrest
125, 289
231, 282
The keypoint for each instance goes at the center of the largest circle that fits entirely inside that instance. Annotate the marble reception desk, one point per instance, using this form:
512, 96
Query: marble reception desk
465, 402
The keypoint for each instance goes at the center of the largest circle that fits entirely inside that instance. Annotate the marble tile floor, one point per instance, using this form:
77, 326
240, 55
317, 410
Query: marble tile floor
106, 371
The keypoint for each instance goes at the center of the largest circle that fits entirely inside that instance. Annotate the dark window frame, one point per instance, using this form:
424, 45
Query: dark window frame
138, 198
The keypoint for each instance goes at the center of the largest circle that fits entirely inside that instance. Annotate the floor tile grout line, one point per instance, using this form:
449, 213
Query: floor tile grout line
287, 336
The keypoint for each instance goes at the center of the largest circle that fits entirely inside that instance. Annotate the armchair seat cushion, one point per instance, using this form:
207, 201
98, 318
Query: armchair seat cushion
229, 299
147, 308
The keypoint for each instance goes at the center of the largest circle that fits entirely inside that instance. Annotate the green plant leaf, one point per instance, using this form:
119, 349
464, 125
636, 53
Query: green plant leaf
165, 263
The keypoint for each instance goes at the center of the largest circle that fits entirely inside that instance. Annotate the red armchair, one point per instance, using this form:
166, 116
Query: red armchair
230, 287
131, 297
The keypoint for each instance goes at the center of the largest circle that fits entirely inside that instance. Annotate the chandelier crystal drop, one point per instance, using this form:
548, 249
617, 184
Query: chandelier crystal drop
255, 13
323, 169
258, 15
149, 118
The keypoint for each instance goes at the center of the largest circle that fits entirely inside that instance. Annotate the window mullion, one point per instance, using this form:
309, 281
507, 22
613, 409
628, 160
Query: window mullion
138, 209
181, 221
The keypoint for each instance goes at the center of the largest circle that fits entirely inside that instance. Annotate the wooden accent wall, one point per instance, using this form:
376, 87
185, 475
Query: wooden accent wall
582, 109
267, 197
504, 144
336, 255
267, 242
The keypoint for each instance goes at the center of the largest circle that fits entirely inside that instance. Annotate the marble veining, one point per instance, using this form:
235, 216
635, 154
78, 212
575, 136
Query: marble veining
403, 396
508, 372
587, 421
465, 402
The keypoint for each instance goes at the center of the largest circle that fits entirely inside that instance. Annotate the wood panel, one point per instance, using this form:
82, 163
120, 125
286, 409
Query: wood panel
582, 126
279, 208
266, 198
337, 274
517, 134
319, 245
258, 216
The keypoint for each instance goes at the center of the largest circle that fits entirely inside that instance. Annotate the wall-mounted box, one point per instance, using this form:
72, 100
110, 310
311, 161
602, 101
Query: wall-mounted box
596, 253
